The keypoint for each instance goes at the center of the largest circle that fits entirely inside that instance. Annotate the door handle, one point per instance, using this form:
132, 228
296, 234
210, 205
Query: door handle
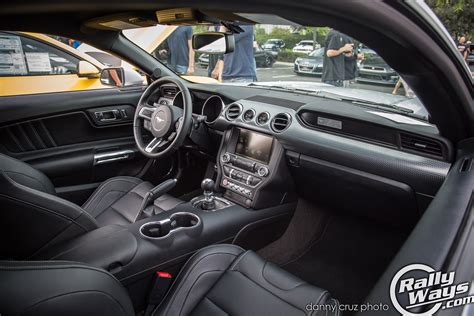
110, 115
113, 156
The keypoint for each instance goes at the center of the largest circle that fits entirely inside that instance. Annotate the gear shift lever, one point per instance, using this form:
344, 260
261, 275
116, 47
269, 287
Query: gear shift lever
209, 203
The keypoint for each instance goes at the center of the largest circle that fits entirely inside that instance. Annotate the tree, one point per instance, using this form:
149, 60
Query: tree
456, 15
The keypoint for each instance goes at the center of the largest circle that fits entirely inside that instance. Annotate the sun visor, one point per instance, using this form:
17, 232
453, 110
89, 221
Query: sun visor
121, 22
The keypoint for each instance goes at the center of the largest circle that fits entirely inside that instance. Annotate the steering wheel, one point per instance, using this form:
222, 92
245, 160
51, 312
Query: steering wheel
168, 124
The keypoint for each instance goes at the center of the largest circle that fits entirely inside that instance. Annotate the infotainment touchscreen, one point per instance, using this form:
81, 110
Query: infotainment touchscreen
254, 145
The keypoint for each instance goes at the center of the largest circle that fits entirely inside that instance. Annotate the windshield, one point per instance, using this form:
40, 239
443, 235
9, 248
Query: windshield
317, 53
309, 59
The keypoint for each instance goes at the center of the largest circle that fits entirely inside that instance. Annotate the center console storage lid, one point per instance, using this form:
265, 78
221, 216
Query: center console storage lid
109, 247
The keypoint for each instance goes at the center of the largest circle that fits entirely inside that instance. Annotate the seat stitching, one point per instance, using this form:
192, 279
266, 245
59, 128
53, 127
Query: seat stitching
104, 184
101, 210
179, 286
30, 177
194, 283
263, 276
183, 277
281, 299
102, 188
74, 292
207, 298
47, 210
116, 211
67, 265
236, 262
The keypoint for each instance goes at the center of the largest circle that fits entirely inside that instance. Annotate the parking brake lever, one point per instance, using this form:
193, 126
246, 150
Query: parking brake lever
155, 193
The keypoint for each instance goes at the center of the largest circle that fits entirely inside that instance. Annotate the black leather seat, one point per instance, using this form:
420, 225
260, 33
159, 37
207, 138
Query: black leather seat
33, 217
217, 280
226, 280
42, 288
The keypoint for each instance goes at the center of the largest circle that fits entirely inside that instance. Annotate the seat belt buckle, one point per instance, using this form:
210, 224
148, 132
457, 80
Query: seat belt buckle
160, 287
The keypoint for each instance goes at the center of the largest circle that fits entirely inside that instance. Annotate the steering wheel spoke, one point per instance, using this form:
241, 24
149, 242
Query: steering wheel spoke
153, 145
167, 123
146, 113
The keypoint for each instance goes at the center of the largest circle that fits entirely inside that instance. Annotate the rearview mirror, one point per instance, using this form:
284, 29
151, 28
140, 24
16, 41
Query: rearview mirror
213, 43
112, 77
86, 70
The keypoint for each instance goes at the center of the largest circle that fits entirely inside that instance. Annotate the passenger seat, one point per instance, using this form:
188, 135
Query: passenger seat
217, 280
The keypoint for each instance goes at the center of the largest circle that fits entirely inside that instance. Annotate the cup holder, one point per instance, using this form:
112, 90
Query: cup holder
163, 228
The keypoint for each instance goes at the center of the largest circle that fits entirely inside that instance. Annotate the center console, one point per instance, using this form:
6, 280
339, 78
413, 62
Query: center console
252, 170
252, 192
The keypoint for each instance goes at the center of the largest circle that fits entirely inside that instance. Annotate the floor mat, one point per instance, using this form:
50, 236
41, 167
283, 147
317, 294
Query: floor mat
348, 258
306, 226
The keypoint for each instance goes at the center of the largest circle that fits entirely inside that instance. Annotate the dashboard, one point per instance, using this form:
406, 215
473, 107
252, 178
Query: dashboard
332, 131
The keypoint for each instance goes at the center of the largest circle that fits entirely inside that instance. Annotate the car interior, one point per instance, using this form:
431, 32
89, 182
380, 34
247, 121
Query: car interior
178, 198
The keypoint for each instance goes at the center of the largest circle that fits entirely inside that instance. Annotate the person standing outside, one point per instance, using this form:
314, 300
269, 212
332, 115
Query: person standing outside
333, 64
239, 66
350, 61
180, 53
463, 47
214, 68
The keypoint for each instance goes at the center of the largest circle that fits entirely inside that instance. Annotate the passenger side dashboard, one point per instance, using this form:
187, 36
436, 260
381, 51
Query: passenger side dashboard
352, 153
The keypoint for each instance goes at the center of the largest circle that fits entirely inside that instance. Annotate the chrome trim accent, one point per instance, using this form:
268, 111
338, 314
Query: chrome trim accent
170, 220
155, 142
269, 118
195, 202
146, 108
288, 116
254, 115
227, 110
113, 156
220, 112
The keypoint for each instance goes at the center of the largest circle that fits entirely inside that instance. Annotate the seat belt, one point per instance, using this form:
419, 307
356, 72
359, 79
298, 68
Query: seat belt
161, 285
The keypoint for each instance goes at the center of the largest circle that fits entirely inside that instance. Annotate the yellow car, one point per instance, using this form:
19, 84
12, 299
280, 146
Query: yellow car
38, 63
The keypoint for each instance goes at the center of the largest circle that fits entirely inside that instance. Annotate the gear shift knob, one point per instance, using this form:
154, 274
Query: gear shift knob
207, 185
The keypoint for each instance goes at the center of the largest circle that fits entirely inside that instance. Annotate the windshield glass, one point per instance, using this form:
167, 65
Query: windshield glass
317, 60
317, 53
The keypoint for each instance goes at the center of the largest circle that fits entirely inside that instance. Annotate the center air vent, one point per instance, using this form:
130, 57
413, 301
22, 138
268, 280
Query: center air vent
421, 144
280, 122
233, 111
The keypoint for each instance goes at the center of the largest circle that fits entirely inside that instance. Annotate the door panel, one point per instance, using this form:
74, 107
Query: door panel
443, 237
78, 140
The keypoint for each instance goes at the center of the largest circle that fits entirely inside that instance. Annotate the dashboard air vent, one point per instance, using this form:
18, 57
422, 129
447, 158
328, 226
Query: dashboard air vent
169, 91
233, 111
280, 122
421, 144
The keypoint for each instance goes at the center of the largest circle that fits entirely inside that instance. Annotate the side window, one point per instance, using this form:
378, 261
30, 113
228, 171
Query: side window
22, 56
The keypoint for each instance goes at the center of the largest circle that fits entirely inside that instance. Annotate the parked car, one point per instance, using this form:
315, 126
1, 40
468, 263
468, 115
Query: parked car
263, 58
311, 64
306, 47
373, 69
203, 60
273, 46
64, 69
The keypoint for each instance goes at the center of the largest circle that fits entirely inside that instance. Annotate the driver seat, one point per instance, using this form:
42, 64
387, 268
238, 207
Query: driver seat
33, 217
